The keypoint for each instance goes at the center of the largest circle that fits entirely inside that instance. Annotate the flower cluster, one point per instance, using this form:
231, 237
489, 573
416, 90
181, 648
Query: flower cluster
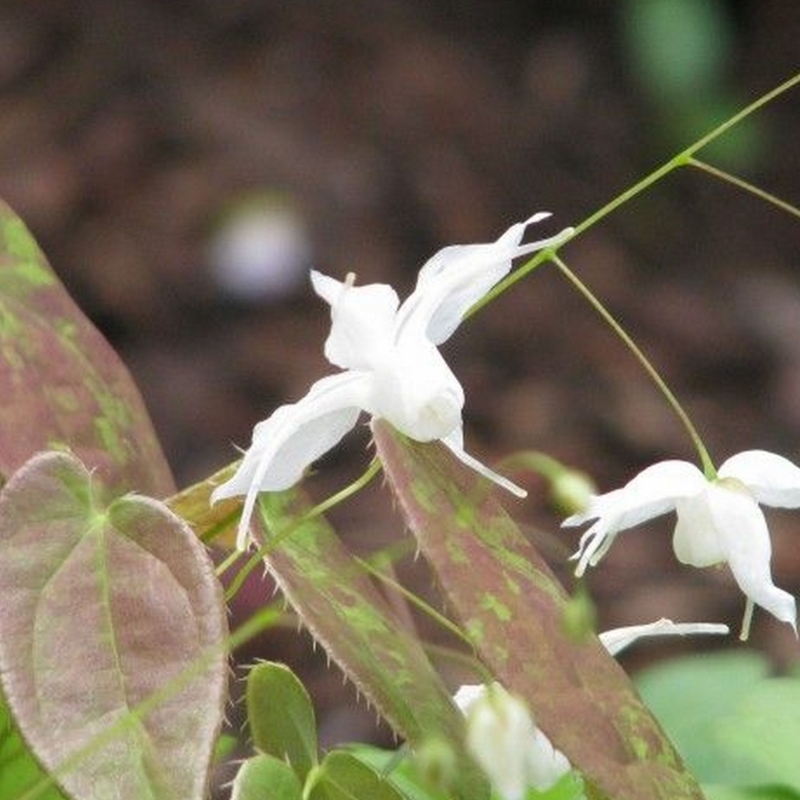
391, 367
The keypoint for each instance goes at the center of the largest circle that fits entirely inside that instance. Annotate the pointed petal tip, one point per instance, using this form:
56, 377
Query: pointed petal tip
537, 217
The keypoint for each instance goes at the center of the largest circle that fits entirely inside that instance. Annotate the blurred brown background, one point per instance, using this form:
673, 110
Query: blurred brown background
183, 163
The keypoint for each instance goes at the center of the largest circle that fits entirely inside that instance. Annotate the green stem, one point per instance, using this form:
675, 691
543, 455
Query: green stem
681, 159
745, 185
705, 459
317, 511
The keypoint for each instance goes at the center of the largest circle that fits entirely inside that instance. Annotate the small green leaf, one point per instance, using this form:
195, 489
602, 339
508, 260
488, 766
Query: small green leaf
400, 769
63, 387
342, 776
281, 716
265, 777
112, 636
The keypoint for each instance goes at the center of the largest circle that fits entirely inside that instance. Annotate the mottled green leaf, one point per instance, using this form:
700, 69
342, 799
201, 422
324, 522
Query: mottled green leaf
344, 611
512, 608
281, 716
111, 637
342, 776
62, 385
265, 777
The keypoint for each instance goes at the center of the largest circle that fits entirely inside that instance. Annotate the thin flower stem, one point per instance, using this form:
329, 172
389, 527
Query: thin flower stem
744, 634
415, 600
225, 565
745, 185
705, 459
356, 486
681, 159
317, 511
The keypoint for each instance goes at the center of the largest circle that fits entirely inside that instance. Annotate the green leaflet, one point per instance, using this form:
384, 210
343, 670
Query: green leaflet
265, 777
281, 716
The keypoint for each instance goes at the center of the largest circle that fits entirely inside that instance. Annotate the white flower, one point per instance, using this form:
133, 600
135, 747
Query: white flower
508, 747
391, 366
503, 738
717, 521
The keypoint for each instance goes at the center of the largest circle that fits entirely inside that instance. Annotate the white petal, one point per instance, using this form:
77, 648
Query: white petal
500, 733
653, 492
415, 390
456, 277
545, 765
618, 639
467, 694
294, 436
362, 321
503, 739
697, 540
741, 524
481, 468
773, 479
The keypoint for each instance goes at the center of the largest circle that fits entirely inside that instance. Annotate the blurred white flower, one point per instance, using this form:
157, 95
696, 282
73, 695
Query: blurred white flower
504, 741
717, 520
391, 366
261, 250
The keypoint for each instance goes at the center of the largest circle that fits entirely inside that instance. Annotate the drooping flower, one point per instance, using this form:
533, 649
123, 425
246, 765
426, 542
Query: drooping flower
503, 738
505, 742
391, 367
717, 520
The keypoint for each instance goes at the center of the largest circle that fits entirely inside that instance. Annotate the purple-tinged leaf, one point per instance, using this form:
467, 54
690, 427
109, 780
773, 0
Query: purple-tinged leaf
512, 607
62, 385
346, 614
112, 636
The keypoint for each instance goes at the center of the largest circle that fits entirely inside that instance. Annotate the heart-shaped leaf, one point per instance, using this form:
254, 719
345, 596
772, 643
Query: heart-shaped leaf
512, 607
112, 636
62, 385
